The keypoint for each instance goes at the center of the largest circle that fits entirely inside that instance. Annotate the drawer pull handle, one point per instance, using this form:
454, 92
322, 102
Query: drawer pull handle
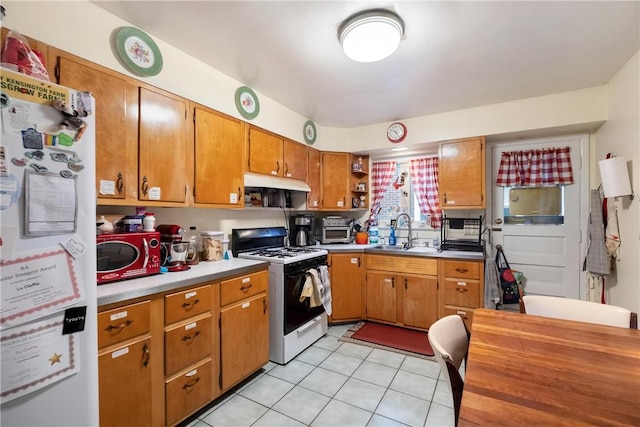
190, 305
461, 270
462, 290
246, 288
264, 306
146, 355
190, 337
121, 326
191, 383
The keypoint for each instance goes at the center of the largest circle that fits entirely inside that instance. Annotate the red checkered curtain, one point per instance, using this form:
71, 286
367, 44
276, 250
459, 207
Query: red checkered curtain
424, 180
381, 176
531, 168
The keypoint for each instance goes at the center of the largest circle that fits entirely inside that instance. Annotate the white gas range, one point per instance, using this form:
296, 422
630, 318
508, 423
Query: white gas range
293, 325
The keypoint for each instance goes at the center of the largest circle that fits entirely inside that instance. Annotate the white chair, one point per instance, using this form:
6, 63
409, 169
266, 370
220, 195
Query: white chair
449, 340
582, 311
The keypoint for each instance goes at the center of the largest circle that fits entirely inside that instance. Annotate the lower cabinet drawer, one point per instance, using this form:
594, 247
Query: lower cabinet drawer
243, 287
186, 344
464, 312
462, 293
185, 304
188, 392
123, 323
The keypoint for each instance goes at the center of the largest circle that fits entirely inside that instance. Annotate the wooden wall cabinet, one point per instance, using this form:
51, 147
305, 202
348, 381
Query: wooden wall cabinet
461, 174
124, 366
270, 154
163, 147
402, 290
314, 180
244, 327
219, 157
143, 152
335, 173
347, 291
463, 288
116, 126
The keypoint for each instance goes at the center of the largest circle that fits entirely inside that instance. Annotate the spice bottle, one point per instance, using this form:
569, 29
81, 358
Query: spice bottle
149, 222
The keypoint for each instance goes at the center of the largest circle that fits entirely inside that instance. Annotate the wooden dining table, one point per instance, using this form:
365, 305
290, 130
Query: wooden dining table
530, 370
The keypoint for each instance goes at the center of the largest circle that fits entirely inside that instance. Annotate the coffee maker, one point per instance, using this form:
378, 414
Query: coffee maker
173, 251
302, 230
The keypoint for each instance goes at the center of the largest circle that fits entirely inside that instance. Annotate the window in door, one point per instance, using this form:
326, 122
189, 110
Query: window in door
534, 205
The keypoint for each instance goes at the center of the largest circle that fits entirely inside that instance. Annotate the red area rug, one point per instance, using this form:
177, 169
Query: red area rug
400, 340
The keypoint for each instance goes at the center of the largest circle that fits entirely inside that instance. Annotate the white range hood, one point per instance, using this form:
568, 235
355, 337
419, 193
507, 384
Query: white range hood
266, 181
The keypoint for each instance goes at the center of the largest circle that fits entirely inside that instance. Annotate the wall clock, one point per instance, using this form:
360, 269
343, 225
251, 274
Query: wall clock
396, 132
247, 102
310, 133
138, 52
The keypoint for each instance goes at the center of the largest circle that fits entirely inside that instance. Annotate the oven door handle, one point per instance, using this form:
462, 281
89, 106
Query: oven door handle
302, 273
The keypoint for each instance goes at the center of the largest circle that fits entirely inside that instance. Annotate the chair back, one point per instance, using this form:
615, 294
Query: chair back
449, 340
582, 311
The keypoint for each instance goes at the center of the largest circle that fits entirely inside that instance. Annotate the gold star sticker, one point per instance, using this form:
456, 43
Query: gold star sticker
55, 358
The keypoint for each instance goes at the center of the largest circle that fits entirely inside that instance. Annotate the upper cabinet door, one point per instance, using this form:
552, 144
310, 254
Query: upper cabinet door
163, 149
295, 160
462, 174
335, 181
313, 197
265, 152
116, 125
219, 149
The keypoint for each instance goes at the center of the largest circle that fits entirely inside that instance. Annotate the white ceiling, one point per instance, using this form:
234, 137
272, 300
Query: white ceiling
454, 55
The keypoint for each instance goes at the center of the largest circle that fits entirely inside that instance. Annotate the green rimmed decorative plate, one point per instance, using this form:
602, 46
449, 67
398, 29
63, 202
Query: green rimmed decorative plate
310, 133
138, 52
247, 102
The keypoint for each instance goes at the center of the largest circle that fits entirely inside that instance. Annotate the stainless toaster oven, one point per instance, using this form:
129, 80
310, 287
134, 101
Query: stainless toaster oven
336, 229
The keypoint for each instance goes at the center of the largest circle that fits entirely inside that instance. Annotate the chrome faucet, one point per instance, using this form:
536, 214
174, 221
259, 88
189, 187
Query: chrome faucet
409, 243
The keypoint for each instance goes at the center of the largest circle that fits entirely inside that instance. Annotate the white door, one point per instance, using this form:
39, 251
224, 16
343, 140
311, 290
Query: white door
549, 255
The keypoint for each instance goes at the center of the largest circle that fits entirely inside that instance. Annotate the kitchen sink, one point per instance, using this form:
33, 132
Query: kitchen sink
422, 249
389, 248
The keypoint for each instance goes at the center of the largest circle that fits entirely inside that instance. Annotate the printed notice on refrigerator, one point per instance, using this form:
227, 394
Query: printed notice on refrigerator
51, 204
37, 284
35, 355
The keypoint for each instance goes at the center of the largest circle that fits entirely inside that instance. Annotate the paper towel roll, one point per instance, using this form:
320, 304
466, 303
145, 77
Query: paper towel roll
615, 177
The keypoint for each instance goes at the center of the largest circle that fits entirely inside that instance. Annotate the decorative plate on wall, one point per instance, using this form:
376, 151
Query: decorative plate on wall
310, 133
138, 52
247, 102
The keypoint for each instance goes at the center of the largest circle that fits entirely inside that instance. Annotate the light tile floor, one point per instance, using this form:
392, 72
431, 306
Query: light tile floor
333, 383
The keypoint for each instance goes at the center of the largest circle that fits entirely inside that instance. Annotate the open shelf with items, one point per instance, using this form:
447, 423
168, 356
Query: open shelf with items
359, 182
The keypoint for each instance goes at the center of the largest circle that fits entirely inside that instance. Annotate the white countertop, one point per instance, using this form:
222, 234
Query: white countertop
110, 293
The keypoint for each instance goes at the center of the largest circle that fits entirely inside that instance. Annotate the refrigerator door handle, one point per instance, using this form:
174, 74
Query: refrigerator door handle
146, 252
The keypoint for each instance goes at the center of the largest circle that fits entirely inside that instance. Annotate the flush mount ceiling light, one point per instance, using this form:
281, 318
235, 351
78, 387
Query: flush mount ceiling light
371, 35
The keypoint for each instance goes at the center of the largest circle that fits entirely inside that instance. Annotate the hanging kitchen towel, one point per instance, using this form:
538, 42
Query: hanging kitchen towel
492, 294
312, 288
612, 235
598, 259
325, 295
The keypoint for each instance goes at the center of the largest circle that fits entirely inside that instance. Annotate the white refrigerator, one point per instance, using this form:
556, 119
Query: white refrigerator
48, 313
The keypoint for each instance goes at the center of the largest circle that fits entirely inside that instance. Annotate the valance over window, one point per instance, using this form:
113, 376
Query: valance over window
530, 168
